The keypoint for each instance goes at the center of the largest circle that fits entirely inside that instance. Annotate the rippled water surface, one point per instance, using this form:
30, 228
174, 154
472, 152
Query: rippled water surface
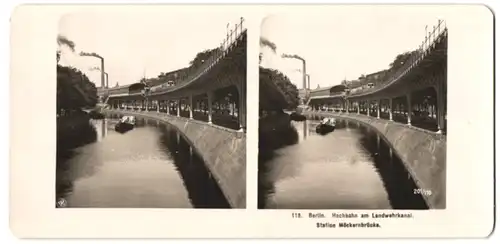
349, 168
149, 166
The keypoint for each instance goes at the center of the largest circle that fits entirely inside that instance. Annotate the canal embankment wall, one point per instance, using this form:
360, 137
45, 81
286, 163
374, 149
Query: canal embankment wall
423, 153
223, 151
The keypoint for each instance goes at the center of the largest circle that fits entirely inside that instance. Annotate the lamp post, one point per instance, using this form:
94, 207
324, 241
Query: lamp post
146, 93
304, 73
346, 101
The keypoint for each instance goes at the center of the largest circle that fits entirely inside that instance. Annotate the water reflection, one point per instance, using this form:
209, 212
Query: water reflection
350, 168
149, 166
304, 128
202, 188
397, 180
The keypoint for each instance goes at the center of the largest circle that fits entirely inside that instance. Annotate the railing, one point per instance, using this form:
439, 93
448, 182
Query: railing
113, 91
232, 37
331, 95
220, 119
335, 94
431, 39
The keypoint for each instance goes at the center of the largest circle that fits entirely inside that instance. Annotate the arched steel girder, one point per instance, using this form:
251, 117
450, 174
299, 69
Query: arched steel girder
220, 75
433, 62
217, 82
327, 100
136, 97
234, 61
414, 82
234, 75
220, 92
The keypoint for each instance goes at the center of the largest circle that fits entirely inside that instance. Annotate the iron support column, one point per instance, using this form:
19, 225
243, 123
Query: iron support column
210, 96
368, 103
409, 108
440, 107
241, 107
190, 106
390, 109
378, 108
168, 106
179, 107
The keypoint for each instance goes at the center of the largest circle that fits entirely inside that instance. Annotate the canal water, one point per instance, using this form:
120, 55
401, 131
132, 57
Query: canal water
349, 168
151, 166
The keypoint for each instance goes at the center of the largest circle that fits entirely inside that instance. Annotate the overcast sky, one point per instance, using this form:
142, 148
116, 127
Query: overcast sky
342, 44
135, 42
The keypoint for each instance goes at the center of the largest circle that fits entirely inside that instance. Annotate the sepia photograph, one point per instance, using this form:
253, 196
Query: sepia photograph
346, 135
353, 111
151, 109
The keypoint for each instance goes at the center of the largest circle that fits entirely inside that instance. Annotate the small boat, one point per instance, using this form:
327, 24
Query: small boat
126, 123
297, 117
326, 125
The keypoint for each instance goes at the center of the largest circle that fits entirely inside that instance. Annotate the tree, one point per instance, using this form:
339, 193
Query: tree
401, 59
74, 89
354, 84
202, 57
283, 83
196, 63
